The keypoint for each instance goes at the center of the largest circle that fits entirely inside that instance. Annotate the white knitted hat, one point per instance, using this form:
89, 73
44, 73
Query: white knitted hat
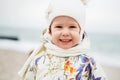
71, 8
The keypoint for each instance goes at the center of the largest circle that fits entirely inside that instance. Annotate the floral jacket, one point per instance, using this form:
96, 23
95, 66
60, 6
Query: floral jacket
51, 67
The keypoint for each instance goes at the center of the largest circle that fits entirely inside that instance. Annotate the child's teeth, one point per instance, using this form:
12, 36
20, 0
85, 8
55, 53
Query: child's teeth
65, 40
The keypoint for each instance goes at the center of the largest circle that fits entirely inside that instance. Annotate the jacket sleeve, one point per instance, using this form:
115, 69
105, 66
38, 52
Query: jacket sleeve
97, 73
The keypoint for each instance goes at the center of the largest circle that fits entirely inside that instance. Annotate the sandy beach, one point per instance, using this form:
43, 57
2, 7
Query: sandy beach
10, 64
11, 61
112, 72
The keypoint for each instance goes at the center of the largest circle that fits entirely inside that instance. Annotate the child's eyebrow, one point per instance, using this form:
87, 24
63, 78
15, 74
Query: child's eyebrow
72, 26
58, 26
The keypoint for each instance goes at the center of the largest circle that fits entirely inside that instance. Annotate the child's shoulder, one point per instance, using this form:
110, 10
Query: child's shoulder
39, 57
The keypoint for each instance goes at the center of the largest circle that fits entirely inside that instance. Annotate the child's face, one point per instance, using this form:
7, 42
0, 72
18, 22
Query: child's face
65, 32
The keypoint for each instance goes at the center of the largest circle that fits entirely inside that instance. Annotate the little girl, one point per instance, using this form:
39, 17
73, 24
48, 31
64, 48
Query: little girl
62, 54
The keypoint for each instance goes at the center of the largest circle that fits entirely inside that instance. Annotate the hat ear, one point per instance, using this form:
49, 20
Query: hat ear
84, 2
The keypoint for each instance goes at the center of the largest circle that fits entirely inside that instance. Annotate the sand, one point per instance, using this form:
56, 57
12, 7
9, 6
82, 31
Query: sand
11, 62
112, 72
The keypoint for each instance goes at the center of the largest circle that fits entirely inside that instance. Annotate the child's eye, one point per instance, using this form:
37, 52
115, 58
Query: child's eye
72, 26
58, 26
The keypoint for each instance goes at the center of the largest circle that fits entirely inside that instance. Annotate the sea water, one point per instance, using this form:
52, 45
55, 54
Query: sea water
106, 47
108, 43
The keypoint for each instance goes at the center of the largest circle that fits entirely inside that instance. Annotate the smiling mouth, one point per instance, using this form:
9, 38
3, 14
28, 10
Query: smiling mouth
65, 40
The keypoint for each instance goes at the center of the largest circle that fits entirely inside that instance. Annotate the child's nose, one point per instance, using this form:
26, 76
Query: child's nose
65, 32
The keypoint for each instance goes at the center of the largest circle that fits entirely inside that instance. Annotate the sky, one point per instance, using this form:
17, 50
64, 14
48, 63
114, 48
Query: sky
101, 15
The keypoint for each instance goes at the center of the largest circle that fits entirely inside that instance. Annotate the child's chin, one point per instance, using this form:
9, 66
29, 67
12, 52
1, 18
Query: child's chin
68, 47
65, 47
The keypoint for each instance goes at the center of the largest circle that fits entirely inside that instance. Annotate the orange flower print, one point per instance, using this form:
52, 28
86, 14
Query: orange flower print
72, 70
68, 67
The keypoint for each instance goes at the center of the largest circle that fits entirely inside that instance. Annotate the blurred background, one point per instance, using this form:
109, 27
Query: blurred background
21, 23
